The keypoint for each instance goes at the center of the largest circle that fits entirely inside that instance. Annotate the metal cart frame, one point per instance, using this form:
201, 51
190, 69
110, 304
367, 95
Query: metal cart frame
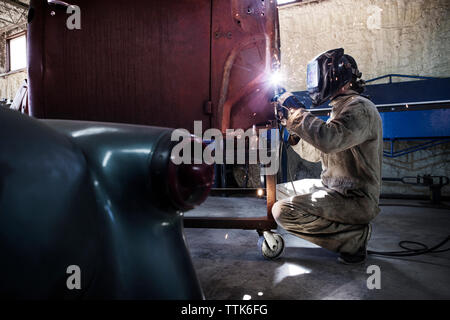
272, 244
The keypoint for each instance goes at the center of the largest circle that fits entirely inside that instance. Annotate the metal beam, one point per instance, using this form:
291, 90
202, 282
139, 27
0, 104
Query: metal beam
13, 26
7, 21
396, 107
17, 3
259, 223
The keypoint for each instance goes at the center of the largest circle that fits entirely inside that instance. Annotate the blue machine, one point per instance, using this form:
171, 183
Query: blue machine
411, 110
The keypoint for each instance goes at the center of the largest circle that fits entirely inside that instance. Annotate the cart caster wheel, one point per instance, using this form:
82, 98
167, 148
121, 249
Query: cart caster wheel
276, 250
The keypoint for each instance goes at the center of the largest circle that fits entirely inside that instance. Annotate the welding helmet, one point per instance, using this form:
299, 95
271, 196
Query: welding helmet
328, 73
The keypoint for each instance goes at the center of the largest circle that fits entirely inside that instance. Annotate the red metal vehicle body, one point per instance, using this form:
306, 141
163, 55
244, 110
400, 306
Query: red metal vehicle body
165, 63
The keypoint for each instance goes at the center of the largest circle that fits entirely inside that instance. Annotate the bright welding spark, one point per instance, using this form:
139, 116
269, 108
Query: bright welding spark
260, 192
246, 297
260, 293
276, 78
226, 236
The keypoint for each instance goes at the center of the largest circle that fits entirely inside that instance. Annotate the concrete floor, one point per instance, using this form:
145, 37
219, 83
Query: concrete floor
230, 266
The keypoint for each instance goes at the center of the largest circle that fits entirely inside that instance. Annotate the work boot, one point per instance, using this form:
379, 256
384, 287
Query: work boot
360, 256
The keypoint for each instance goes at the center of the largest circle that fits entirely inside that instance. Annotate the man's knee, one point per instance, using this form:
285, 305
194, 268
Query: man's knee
277, 209
281, 210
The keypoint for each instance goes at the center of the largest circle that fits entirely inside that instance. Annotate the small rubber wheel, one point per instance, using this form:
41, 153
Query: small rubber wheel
267, 252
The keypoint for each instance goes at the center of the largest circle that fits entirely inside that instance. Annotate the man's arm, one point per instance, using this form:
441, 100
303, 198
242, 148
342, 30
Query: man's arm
348, 129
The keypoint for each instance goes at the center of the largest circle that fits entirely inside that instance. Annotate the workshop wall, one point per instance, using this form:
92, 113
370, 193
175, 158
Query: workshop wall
9, 84
405, 36
433, 161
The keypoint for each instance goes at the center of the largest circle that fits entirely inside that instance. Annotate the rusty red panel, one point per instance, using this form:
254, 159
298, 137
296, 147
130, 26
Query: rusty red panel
135, 61
245, 52
164, 63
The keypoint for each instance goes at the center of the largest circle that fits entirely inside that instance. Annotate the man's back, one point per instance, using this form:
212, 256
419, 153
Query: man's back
350, 147
356, 169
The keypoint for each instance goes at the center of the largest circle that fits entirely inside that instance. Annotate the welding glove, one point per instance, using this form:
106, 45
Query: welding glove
287, 103
279, 92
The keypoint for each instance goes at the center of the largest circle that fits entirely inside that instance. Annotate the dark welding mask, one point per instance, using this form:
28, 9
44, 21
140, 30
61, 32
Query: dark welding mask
327, 73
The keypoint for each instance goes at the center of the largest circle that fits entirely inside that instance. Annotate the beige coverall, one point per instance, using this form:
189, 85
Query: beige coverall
334, 212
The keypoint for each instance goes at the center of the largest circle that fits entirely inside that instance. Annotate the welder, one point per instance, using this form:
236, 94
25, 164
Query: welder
335, 211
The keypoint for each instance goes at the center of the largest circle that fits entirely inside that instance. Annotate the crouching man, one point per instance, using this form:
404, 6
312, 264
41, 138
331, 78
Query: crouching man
334, 212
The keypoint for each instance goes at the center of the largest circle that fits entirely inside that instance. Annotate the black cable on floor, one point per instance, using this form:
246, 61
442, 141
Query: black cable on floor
408, 251
429, 206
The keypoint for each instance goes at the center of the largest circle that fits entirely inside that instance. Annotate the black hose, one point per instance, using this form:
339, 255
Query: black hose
408, 252
441, 206
283, 147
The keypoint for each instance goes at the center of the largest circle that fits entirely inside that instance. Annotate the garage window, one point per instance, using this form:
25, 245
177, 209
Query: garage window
17, 52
